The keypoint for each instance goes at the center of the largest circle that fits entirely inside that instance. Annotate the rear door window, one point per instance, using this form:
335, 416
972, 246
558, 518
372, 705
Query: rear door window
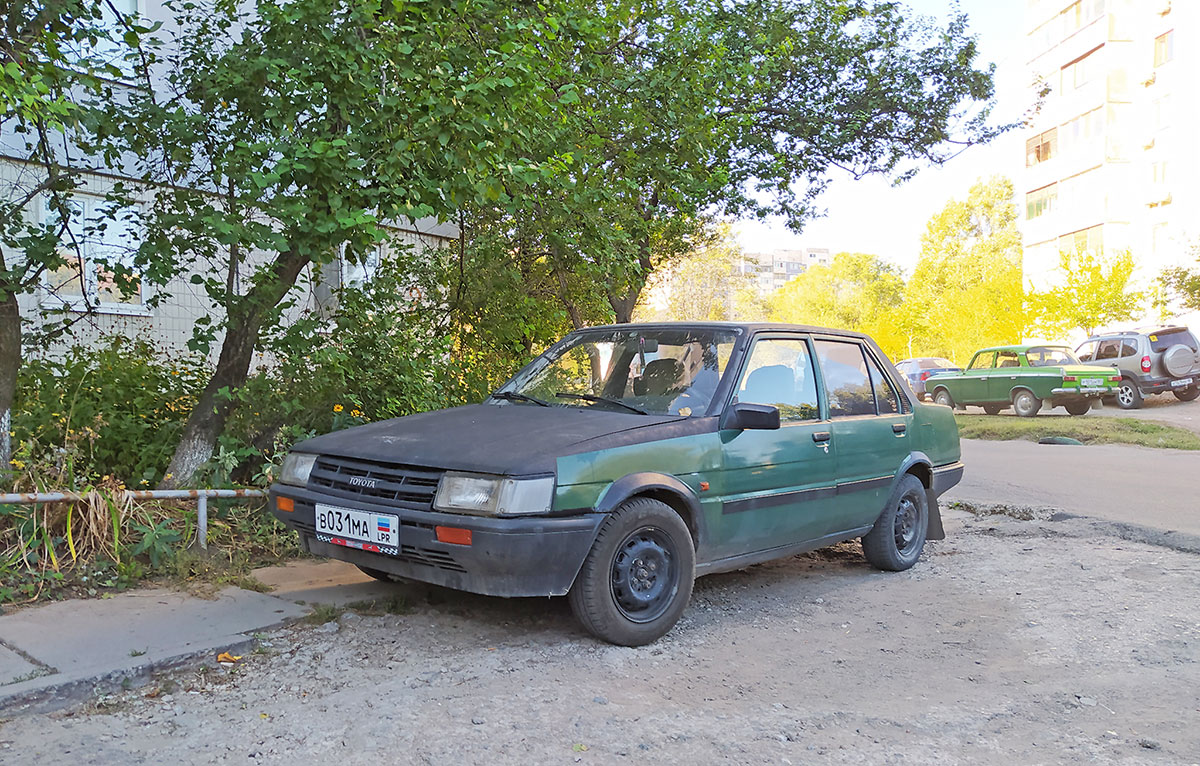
886, 400
847, 383
1008, 359
1129, 347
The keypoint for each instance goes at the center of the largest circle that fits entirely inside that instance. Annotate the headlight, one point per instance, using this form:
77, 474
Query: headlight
296, 468
494, 495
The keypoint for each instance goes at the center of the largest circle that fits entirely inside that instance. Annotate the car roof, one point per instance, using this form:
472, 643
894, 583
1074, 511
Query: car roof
746, 326
1021, 348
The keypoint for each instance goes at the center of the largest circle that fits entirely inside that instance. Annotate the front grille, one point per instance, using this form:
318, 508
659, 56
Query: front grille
403, 485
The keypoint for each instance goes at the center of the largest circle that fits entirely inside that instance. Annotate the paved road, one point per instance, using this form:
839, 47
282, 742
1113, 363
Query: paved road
1165, 409
1136, 485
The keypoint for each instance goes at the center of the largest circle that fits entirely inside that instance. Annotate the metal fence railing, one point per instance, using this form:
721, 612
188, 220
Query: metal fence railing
201, 497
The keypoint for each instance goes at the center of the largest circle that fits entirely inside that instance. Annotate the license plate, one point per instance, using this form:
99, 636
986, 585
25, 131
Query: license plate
359, 526
1181, 383
1092, 382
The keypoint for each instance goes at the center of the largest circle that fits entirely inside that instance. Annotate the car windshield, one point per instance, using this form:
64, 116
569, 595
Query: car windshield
1050, 356
664, 371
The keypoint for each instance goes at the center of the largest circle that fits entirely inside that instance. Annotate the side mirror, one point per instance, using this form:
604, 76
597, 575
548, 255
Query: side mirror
745, 416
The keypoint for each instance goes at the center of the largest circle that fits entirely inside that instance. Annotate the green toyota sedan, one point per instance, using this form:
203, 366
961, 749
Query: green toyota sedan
1025, 378
627, 460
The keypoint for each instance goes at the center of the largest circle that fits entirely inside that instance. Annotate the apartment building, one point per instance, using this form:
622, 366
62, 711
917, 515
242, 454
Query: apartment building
1111, 163
773, 269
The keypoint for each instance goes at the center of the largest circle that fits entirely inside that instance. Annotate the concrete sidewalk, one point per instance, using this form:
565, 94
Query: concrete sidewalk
65, 652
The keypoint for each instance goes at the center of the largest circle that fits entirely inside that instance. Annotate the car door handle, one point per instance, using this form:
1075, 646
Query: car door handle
820, 436
899, 428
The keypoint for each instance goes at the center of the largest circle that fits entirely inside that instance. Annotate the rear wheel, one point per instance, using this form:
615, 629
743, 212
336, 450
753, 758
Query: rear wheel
943, 397
993, 409
1128, 395
637, 579
896, 540
1025, 404
1187, 394
1079, 408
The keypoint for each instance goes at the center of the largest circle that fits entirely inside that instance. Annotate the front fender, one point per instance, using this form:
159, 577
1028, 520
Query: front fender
657, 485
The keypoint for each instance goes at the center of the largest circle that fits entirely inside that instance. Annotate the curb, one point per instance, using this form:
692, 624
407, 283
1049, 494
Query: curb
48, 697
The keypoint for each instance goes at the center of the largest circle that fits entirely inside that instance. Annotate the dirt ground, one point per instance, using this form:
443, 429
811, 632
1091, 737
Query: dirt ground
1011, 642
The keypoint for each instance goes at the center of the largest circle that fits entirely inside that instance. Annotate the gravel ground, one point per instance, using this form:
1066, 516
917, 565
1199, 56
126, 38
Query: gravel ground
1010, 642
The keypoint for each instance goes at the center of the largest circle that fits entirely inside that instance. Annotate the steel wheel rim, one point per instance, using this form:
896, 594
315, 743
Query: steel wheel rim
1125, 395
644, 575
906, 526
1023, 403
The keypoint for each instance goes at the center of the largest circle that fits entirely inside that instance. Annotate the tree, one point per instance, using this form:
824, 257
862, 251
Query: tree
1182, 284
1095, 291
966, 290
58, 61
291, 133
685, 109
701, 285
856, 291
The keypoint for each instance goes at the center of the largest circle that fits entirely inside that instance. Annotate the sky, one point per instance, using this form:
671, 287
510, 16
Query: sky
871, 215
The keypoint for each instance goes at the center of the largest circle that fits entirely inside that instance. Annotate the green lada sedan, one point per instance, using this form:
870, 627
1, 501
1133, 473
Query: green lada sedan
1025, 378
627, 460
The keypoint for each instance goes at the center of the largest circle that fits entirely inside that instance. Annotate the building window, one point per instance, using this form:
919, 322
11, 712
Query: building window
1040, 201
358, 273
1041, 148
1090, 240
1164, 48
1158, 172
1082, 70
1162, 112
1085, 128
98, 248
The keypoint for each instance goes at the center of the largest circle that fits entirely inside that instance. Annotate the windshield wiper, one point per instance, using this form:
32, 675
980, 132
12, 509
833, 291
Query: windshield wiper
605, 399
513, 396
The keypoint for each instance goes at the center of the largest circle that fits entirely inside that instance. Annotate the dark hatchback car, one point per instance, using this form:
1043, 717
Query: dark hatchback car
627, 460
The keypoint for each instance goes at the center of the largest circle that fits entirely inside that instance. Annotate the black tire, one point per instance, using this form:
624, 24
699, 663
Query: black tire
1079, 408
993, 409
898, 537
378, 574
1025, 404
1187, 394
1129, 397
637, 578
942, 396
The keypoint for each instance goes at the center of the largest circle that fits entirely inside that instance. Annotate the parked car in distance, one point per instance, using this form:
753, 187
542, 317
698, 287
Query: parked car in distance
919, 369
627, 460
1151, 361
1025, 378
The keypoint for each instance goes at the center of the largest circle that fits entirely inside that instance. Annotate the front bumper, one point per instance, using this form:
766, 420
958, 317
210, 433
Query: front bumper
520, 556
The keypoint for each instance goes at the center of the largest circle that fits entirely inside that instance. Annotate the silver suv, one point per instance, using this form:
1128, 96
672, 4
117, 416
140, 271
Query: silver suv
1152, 361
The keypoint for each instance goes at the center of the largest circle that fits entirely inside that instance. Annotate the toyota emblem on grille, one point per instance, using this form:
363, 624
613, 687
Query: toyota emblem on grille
360, 481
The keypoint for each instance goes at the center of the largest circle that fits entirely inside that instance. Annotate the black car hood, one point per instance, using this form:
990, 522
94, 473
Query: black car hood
503, 439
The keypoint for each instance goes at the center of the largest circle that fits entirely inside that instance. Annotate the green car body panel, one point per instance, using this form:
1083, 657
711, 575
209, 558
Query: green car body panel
746, 495
995, 376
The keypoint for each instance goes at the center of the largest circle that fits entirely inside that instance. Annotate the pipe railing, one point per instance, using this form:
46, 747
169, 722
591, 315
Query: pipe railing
201, 497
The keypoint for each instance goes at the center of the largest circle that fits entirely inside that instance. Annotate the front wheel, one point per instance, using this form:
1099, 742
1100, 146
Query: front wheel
896, 540
1079, 408
1128, 395
637, 578
1187, 394
1025, 404
943, 397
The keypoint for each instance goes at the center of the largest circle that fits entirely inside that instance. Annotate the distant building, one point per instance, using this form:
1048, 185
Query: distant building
773, 269
1111, 163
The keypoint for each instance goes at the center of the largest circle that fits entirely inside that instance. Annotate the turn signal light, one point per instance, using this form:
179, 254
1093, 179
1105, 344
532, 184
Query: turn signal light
1146, 363
453, 535
285, 504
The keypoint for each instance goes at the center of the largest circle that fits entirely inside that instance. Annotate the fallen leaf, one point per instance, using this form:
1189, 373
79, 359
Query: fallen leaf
227, 657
